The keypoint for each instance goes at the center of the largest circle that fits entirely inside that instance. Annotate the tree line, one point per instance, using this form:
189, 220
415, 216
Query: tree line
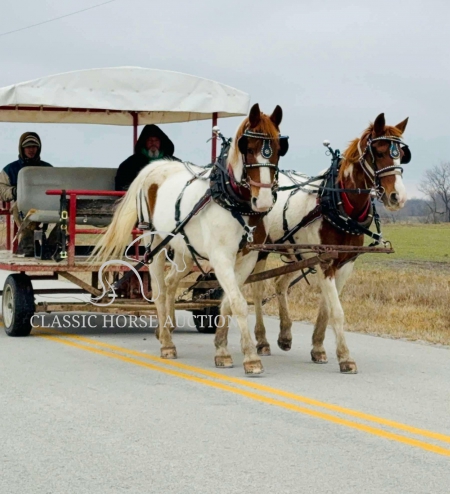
435, 208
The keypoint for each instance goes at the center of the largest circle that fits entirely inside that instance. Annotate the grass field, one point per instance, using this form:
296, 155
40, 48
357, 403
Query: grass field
416, 242
401, 295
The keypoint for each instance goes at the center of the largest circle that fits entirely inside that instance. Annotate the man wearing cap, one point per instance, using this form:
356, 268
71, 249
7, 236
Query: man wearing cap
153, 144
29, 155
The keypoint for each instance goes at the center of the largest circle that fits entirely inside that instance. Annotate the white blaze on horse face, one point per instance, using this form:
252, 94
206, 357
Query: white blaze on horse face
264, 201
400, 191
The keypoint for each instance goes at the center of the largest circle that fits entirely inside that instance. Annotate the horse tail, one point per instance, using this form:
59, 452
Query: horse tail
114, 241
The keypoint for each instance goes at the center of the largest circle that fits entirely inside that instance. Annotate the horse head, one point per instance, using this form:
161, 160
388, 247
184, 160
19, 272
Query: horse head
380, 153
254, 156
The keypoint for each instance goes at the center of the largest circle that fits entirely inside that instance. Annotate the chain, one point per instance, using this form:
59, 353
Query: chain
180, 297
202, 296
268, 299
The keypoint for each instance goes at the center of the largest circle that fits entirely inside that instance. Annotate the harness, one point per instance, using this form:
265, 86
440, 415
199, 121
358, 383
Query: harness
333, 204
234, 195
224, 189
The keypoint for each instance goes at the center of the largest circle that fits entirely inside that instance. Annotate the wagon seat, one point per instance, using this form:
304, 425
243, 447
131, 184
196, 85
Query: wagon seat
33, 182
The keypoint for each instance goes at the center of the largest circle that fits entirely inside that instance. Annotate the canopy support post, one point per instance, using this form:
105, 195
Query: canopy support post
214, 140
135, 128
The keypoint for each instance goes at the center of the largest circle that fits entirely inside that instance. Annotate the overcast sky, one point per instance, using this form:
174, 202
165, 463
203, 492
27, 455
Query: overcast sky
333, 66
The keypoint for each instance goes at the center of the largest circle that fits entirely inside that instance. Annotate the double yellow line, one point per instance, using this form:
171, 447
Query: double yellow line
257, 392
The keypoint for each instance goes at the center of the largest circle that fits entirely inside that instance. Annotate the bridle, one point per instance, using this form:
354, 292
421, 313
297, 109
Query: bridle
370, 169
266, 152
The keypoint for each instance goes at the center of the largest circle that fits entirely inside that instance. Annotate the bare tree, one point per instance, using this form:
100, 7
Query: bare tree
436, 186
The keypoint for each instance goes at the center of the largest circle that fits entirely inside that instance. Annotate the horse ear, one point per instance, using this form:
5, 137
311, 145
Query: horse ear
277, 116
379, 124
402, 125
255, 115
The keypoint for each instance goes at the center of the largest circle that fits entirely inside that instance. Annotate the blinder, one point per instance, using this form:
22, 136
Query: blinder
243, 144
284, 145
394, 151
406, 158
266, 150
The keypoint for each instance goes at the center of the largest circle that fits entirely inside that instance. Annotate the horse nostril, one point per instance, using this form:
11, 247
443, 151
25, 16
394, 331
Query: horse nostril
394, 198
254, 199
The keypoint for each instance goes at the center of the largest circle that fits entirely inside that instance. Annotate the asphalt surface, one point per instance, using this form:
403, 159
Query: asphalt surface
98, 413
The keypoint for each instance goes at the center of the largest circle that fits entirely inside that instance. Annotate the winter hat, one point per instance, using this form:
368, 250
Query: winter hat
31, 141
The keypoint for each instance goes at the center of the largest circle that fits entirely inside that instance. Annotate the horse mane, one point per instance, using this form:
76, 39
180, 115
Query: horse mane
265, 126
351, 155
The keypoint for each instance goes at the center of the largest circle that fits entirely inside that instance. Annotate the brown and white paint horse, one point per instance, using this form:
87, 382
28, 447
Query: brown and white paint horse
214, 233
359, 167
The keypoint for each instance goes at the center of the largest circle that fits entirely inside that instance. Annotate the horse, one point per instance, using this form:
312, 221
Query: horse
371, 161
225, 205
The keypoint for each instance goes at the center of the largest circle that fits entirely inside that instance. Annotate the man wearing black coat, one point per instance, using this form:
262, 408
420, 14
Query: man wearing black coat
153, 144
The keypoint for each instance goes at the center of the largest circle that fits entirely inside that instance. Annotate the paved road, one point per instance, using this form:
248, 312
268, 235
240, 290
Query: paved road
98, 413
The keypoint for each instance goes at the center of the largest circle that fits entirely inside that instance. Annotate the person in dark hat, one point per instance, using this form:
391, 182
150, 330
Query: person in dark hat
153, 144
30, 147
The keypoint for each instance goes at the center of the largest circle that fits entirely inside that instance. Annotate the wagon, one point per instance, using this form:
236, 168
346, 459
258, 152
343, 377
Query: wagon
81, 200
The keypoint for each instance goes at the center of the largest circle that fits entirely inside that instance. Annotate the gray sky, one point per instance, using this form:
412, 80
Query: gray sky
332, 66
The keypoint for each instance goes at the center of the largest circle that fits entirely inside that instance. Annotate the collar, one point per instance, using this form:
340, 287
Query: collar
348, 207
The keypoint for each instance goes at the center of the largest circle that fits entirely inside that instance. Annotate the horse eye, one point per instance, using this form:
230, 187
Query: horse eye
378, 154
250, 151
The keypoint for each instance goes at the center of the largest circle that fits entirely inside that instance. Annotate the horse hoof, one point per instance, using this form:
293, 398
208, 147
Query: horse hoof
222, 361
264, 350
319, 357
348, 368
168, 352
285, 345
253, 367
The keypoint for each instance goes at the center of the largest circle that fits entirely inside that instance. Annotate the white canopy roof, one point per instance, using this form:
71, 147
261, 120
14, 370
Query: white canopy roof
115, 96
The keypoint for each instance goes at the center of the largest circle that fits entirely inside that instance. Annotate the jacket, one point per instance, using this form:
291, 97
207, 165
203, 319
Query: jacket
130, 168
9, 174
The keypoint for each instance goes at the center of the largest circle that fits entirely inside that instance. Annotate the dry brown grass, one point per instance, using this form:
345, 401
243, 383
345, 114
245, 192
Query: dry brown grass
397, 300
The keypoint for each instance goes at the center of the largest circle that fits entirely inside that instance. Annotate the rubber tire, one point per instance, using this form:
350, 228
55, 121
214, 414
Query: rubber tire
21, 289
207, 311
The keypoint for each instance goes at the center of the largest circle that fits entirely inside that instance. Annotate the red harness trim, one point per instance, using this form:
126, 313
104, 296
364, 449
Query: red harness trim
348, 208
238, 190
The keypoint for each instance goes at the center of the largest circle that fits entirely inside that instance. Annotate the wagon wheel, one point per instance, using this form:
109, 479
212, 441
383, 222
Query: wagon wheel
17, 305
206, 324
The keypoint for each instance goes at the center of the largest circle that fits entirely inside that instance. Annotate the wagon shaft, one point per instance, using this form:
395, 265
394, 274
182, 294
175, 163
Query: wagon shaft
289, 268
293, 248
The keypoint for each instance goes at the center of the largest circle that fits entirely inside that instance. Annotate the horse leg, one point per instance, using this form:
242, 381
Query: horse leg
223, 357
231, 276
281, 289
330, 293
262, 345
172, 281
318, 353
159, 294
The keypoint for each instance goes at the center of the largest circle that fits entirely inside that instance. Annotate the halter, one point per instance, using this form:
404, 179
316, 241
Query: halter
394, 151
